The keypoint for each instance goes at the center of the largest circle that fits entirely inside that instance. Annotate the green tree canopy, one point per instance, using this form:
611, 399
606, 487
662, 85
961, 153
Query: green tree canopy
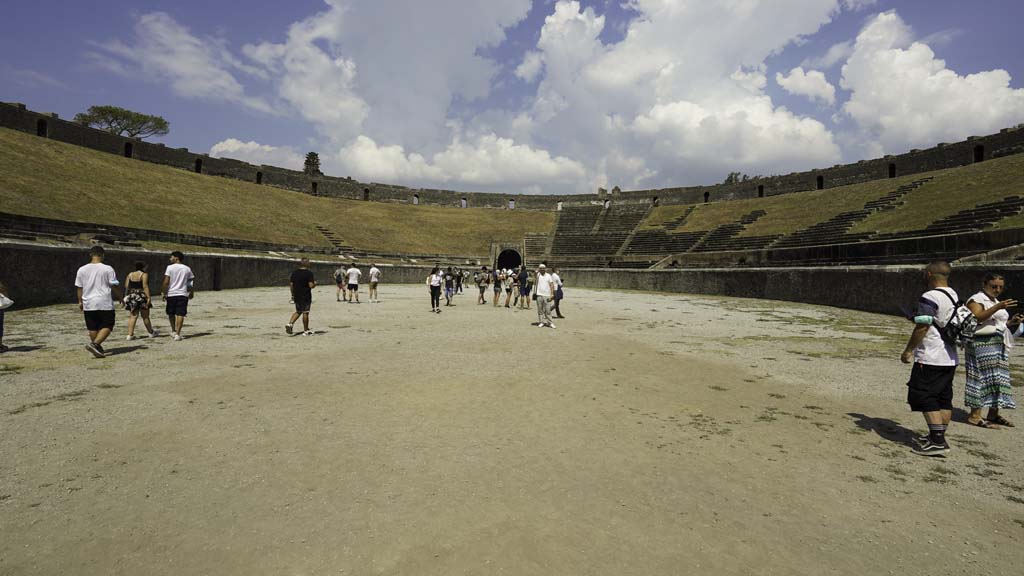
123, 122
312, 166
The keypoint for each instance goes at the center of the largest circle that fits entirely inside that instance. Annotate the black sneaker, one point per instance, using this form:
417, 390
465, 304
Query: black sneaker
288, 328
95, 350
929, 448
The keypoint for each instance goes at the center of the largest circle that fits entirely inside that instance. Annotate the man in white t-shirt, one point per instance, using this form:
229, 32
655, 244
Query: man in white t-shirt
96, 283
930, 389
353, 275
177, 290
544, 290
374, 280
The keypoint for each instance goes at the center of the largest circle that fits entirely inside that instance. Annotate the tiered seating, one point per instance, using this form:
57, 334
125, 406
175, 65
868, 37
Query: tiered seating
969, 220
661, 242
675, 223
622, 219
575, 234
724, 237
835, 229
578, 219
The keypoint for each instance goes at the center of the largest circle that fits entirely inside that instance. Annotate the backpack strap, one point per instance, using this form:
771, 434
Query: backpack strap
954, 302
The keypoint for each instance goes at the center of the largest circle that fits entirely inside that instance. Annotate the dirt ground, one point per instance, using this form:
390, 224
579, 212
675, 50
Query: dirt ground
647, 434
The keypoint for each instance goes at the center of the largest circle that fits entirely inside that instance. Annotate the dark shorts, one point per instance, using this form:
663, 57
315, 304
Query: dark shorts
483, 288
497, 288
930, 388
524, 291
341, 283
353, 287
96, 320
177, 305
303, 305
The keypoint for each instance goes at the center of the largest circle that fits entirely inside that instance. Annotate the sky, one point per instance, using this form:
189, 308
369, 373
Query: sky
541, 97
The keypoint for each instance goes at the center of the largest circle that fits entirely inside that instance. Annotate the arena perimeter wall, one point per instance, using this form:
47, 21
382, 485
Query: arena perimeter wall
41, 275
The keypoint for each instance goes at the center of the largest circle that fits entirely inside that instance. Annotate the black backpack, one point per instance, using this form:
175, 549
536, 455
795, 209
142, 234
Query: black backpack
960, 327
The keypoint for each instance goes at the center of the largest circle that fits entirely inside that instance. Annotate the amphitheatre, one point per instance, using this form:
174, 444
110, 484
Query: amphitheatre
725, 393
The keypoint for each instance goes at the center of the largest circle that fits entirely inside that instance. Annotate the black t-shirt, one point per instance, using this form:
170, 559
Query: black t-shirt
301, 291
449, 280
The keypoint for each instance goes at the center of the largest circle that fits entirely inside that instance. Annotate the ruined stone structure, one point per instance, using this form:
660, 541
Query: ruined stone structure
974, 149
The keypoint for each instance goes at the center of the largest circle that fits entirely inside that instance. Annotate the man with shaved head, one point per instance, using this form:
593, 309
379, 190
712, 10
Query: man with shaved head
930, 389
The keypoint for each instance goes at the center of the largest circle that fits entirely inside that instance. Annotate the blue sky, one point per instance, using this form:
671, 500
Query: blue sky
537, 97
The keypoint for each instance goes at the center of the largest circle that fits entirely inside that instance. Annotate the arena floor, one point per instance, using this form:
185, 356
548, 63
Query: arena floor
647, 434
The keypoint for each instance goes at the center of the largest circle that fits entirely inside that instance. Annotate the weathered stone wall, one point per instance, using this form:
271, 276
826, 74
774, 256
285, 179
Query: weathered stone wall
1007, 141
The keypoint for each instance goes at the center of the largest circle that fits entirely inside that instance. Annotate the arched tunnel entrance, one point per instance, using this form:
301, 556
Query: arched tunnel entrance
508, 259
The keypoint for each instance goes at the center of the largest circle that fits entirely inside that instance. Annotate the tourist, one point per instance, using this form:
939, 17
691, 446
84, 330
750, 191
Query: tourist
525, 288
353, 275
515, 288
987, 355
301, 284
545, 290
137, 299
449, 286
496, 278
458, 280
508, 279
177, 290
482, 279
7, 302
374, 280
930, 389
339, 279
96, 283
434, 284
558, 291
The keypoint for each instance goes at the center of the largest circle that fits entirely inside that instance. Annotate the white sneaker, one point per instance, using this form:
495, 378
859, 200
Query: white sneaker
540, 325
551, 325
307, 333
175, 335
154, 333
130, 338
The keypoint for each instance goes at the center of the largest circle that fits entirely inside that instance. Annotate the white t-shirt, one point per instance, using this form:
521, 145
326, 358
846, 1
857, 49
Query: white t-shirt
180, 276
435, 279
353, 275
95, 280
374, 274
544, 285
999, 319
933, 350
557, 279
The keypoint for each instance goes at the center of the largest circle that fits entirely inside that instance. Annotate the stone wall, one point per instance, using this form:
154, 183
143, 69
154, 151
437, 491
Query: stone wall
1006, 142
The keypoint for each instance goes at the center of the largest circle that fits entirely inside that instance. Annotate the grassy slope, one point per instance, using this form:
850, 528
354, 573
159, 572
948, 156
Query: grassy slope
56, 180
952, 190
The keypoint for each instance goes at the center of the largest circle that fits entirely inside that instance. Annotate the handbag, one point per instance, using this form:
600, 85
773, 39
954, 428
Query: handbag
5, 302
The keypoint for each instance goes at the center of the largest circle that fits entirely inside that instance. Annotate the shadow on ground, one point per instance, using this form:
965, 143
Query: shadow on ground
885, 428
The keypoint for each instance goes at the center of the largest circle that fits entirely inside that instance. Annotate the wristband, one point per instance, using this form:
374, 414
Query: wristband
925, 320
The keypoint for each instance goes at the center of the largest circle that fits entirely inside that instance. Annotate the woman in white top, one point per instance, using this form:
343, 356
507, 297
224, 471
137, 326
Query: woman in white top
988, 355
434, 283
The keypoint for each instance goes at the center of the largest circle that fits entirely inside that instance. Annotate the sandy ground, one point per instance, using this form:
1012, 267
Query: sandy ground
647, 434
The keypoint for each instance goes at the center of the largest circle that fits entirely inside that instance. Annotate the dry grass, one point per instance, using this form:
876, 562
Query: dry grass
56, 180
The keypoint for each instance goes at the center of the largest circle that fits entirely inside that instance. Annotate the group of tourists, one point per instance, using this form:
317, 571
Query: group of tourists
347, 280
519, 288
933, 352
97, 287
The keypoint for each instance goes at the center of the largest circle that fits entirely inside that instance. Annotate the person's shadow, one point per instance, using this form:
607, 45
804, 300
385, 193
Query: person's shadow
124, 350
885, 428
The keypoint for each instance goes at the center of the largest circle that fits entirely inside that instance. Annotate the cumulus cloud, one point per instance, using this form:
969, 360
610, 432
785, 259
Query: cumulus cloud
811, 84
256, 153
835, 54
903, 96
530, 66
162, 50
856, 5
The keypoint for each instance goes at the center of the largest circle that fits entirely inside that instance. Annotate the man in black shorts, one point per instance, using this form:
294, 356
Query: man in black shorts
301, 284
930, 389
177, 291
95, 283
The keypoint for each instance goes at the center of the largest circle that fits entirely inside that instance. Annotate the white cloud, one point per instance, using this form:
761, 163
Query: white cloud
856, 5
256, 153
163, 50
902, 96
835, 54
811, 84
530, 66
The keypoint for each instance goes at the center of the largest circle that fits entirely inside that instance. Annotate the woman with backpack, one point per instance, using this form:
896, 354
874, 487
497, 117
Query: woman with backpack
988, 355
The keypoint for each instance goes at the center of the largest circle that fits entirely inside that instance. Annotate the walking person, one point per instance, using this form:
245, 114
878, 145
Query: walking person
374, 280
987, 355
137, 300
458, 280
449, 286
524, 288
353, 275
339, 279
545, 290
177, 290
434, 284
930, 389
301, 285
496, 278
3, 309
96, 284
482, 279
558, 291
515, 288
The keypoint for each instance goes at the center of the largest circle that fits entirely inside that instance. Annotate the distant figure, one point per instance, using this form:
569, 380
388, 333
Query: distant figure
987, 355
177, 290
339, 279
434, 285
449, 286
96, 283
525, 288
374, 280
507, 280
353, 275
496, 277
545, 290
930, 389
137, 299
482, 279
458, 280
301, 284
3, 292
558, 292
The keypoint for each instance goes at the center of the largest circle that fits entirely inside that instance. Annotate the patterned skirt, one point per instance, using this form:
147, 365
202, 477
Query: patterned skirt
988, 373
135, 300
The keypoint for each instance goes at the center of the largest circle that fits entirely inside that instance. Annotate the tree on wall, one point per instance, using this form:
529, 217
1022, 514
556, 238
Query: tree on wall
123, 122
312, 165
